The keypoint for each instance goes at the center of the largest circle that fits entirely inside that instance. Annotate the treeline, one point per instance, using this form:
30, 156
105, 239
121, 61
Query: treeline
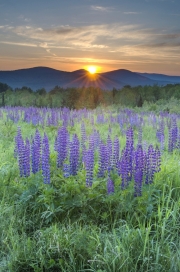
91, 97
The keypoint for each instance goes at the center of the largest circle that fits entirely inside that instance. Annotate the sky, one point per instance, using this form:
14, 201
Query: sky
138, 35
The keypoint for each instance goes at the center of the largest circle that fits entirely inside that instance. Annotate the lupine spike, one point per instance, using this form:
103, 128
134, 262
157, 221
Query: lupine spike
89, 166
110, 186
74, 155
61, 145
116, 152
36, 152
103, 160
45, 159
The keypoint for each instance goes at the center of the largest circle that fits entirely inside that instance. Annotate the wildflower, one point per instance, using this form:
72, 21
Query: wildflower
74, 155
36, 152
103, 159
89, 166
61, 145
110, 186
45, 159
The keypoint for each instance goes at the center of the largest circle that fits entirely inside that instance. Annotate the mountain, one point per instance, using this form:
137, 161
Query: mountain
48, 78
161, 77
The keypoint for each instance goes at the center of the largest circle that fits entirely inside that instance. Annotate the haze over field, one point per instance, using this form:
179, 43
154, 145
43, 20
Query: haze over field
141, 35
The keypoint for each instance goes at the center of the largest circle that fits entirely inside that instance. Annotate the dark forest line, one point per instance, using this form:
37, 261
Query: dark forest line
152, 97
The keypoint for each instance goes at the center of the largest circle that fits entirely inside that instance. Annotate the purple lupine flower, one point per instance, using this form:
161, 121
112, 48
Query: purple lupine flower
138, 171
151, 164
103, 160
125, 165
89, 166
22, 152
45, 159
173, 136
66, 170
110, 186
36, 152
92, 141
74, 155
129, 149
61, 145
158, 159
116, 151
123, 170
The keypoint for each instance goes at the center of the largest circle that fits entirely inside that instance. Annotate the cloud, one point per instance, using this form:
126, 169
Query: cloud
100, 8
170, 36
131, 12
23, 18
105, 43
94, 37
86, 34
161, 45
7, 27
19, 44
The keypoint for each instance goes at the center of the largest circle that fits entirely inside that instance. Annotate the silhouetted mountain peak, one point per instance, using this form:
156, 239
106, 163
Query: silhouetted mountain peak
80, 71
48, 78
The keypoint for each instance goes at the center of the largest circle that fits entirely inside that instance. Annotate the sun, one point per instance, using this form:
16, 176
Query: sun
92, 69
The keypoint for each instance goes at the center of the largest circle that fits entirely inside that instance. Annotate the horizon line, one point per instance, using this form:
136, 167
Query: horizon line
87, 70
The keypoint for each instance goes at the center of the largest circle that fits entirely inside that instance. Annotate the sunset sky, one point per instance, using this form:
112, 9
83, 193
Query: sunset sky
138, 35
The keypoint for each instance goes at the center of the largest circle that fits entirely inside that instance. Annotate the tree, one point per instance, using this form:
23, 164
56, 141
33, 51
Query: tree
41, 91
4, 87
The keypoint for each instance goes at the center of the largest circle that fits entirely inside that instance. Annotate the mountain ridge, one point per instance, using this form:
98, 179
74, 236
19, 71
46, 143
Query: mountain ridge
46, 77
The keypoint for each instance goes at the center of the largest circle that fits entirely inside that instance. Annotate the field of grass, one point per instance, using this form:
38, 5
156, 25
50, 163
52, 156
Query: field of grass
69, 226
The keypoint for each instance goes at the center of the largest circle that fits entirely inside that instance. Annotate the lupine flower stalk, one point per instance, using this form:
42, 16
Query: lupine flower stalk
36, 152
45, 159
103, 160
89, 166
116, 152
173, 136
61, 145
110, 186
158, 159
129, 151
74, 155
22, 152
151, 165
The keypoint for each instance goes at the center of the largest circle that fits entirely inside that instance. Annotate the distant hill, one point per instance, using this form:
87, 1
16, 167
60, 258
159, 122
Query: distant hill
161, 77
48, 78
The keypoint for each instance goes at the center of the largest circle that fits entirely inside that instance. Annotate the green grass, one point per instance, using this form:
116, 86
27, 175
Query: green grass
66, 226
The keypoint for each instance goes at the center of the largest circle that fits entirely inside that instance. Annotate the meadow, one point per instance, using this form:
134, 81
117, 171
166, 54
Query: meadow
89, 190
